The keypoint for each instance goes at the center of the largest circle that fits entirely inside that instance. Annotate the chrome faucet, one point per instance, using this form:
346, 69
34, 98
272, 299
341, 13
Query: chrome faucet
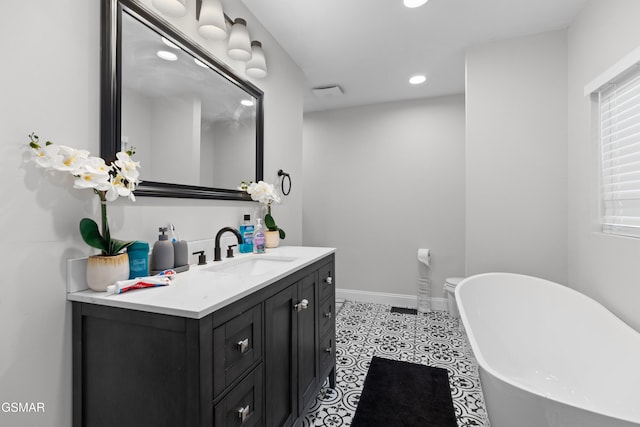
216, 250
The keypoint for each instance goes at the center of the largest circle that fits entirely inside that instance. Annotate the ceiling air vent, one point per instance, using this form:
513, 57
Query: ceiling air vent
327, 92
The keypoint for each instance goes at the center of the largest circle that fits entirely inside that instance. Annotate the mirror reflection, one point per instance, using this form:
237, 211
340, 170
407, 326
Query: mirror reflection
189, 124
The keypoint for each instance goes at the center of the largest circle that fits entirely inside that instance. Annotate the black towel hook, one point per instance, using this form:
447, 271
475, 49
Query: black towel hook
284, 175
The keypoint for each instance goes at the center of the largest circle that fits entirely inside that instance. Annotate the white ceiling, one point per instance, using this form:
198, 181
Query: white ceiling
370, 48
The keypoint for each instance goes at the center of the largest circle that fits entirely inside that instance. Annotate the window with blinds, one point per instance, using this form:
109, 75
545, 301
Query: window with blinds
619, 110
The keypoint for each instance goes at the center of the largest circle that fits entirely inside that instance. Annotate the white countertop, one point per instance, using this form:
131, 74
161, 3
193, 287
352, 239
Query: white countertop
203, 289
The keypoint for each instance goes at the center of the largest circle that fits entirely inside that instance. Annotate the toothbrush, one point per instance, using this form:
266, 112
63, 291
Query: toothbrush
173, 233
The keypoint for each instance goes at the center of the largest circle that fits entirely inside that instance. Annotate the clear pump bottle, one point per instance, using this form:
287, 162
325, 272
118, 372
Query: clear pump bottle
258, 238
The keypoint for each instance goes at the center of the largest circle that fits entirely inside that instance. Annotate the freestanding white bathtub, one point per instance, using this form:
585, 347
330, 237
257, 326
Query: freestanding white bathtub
548, 355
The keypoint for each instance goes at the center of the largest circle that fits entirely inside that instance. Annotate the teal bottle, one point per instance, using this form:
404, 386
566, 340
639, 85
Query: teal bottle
246, 231
138, 260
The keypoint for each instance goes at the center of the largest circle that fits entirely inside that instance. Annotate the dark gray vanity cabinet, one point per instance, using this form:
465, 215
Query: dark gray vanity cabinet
258, 361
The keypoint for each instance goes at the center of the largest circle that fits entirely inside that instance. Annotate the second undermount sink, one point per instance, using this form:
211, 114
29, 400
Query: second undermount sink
250, 266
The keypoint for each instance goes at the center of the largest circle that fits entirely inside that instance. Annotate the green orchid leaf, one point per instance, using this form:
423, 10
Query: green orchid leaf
107, 233
282, 233
270, 222
91, 235
118, 245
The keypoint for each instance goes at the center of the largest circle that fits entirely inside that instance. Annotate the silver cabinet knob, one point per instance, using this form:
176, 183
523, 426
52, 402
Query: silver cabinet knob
302, 305
328, 315
329, 280
328, 350
243, 345
243, 413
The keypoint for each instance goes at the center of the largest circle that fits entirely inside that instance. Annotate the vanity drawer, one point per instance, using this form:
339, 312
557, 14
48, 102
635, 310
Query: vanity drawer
243, 405
237, 346
327, 351
327, 281
327, 316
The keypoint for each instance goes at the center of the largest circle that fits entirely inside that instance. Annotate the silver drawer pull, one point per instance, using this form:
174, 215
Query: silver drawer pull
328, 315
243, 345
329, 280
302, 305
243, 413
328, 350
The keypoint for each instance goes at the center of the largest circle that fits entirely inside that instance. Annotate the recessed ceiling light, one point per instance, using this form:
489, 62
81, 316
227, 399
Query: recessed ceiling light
418, 79
170, 43
200, 63
169, 56
414, 3
247, 102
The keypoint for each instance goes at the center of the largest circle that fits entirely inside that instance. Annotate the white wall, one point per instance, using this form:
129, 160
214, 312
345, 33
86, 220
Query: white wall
233, 156
174, 119
136, 122
602, 266
382, 181
50, 75
516, 157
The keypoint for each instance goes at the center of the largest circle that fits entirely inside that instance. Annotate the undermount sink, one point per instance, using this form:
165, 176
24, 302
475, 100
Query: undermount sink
250, 266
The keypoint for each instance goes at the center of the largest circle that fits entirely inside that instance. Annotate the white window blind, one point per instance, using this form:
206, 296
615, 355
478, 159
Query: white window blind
619, 109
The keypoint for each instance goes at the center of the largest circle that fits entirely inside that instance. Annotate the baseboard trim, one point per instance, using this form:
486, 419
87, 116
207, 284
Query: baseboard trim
396, 300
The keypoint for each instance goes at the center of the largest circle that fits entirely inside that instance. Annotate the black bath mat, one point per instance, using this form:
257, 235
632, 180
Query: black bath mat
403, 310
403, 394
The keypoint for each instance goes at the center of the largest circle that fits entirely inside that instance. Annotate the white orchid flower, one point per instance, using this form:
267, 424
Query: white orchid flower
88, 178
263, 192
108, 182
117, 188
118, 179
127, 167
45, 157
70, 159
97, 165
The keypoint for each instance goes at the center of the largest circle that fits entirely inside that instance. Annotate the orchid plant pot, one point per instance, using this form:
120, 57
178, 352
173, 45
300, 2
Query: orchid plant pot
272, 239
105, 270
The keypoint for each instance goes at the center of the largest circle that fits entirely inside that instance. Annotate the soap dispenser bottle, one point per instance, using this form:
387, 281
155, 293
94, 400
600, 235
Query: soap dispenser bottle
163, 254
258, 238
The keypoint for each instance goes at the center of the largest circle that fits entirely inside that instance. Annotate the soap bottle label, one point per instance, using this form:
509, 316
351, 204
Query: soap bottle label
258, 243
246, 231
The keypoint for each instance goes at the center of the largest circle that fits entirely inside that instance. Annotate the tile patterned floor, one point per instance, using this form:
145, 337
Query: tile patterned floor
364, 330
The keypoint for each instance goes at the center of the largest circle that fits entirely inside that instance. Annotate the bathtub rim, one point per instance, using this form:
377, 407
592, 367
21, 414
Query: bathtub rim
488, 368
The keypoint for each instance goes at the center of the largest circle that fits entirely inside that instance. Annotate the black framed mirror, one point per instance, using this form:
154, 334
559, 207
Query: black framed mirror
197, 128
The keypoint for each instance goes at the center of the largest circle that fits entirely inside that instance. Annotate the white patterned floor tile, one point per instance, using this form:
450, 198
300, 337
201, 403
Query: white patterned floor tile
364, 330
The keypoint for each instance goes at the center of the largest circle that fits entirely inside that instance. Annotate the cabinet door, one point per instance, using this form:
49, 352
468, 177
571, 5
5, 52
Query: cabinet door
307, 340
280, 358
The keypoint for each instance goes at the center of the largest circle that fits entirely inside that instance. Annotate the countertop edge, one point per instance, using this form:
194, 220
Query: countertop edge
99, 298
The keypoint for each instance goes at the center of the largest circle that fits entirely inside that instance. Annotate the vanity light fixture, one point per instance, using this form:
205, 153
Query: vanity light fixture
414, 3
168, 56
257, 65
418, 79
211, 22
174, 8
247, 102
239, 41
